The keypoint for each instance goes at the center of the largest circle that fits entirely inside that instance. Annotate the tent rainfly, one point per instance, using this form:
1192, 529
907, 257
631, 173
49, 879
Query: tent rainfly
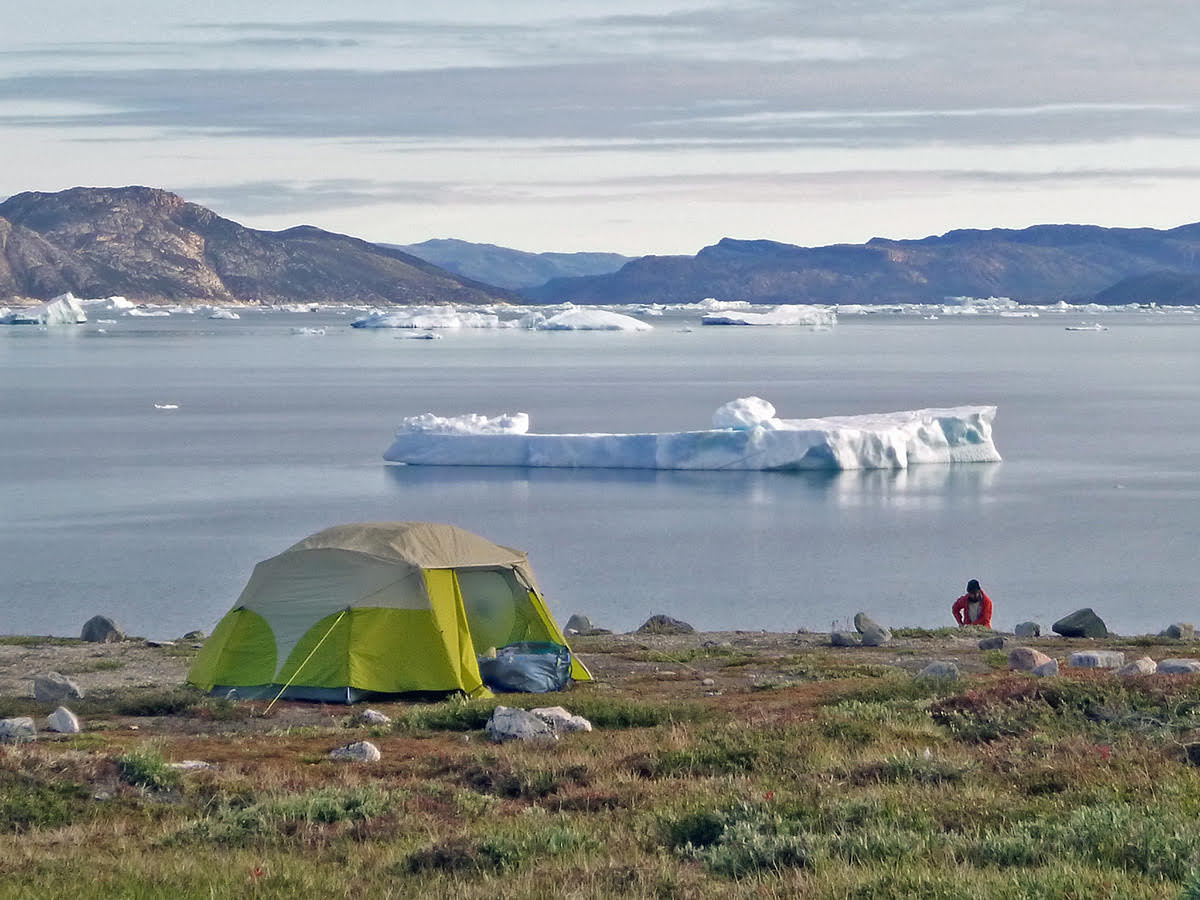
375, 608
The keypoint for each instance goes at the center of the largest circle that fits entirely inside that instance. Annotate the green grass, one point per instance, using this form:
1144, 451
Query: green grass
853, 785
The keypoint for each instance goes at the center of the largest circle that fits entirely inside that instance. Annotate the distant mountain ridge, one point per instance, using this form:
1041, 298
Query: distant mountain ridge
152, 246
1040, 264
507, 268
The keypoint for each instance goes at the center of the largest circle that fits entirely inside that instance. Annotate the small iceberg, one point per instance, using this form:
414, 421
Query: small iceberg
425, 317
745, 435
797, 314
584, 320
65, 309
1094, 326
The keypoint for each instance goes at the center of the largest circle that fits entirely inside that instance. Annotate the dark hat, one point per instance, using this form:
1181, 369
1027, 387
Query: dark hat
972, 585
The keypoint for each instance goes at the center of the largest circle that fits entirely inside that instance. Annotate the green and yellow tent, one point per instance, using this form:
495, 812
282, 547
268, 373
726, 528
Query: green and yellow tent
376, 608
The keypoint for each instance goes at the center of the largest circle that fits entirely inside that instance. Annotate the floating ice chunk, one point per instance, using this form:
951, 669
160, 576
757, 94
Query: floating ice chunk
753, 441
308, 331
65, 309
166, 406
424, 317
107, 304
219, 313
1094, 326
797, 314
585, 320
148, 313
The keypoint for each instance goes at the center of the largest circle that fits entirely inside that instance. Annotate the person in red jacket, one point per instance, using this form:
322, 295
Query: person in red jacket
974, 607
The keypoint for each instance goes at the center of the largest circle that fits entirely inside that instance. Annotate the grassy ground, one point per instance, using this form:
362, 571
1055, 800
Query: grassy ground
799, 771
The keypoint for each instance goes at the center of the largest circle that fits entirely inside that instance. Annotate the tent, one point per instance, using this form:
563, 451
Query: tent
376, 608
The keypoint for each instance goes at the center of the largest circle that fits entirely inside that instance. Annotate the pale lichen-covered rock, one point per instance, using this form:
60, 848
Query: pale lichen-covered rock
63, 721
1142, 666
510, 724
1097, 659
52, 687
1178, 666
359, 751
560, 720
1028, 629
1046, 669
940, 669
1026, 659
17, 731
374, 717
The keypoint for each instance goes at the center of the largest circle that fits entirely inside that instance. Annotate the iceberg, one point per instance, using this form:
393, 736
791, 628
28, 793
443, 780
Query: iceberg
65, 309
746, 435
585, 320
424, 317
798, 314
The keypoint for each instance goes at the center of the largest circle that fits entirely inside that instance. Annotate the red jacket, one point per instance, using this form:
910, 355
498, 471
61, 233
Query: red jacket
961, 612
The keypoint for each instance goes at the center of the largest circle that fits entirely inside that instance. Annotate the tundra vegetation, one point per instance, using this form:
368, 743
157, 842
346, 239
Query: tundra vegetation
844, 777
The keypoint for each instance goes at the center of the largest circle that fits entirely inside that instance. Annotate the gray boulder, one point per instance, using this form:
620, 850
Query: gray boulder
63, 721
1143, 666
991, 643
1046, 669
665, 625
560, 720
863, 622
876, 636
1097, 659
1026, 659
940, 669
52, 687
1028, 630
101, 630
374, 717
578, 624
845, 639
1178, 666
1083, 623
17, 731
510, 724
359, 751
1180, 631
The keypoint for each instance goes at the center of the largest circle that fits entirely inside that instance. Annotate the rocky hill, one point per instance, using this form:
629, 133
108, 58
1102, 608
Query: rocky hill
1042, 264
150, 245
508, 268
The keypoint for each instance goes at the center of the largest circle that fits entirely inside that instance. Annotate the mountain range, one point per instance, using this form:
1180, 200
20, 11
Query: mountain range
152, 246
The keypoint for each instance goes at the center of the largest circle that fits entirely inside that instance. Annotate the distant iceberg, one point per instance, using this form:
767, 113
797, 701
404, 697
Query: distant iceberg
746, 435
584, 320
424, 317
65, 309
798, 314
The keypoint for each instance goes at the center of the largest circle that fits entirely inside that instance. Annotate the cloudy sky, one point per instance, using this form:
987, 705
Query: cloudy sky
655, 126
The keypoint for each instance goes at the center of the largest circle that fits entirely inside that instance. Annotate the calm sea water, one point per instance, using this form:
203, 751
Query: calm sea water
156, 517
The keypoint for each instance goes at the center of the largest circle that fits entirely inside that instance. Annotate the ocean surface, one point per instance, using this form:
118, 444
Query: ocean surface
156, 516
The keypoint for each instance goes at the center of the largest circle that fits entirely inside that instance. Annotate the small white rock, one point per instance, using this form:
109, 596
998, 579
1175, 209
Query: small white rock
359, 751
63, 721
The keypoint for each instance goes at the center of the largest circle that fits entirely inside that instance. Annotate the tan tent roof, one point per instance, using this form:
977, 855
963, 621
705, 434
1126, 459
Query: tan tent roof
428, 545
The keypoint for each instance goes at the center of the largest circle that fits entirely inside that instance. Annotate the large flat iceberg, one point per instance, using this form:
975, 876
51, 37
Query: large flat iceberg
745, 435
